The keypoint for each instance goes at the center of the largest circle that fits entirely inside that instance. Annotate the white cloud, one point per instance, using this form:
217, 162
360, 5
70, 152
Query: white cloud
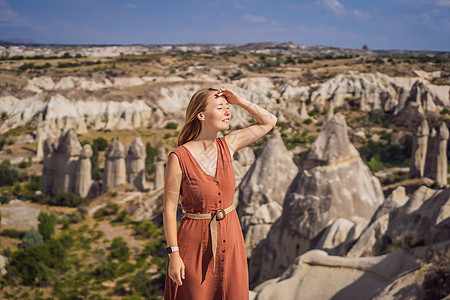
335, 7
254, 19
130, 5
6, 13
442, 3
362, 15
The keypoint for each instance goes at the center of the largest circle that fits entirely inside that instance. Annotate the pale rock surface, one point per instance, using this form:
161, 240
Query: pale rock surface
62, 113
335, 239
333, 183
419, 150
396, 199
242, 161
40, 138
442, 162
135, 162
423, 220
268, 178
259, 224
83, 179
303, 111
159, 169
315, 275
115, 168
3, 261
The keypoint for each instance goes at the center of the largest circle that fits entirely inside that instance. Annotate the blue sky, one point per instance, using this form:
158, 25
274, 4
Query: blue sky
381, 24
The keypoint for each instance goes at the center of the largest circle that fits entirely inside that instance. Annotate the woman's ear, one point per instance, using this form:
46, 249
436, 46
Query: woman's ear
201, 116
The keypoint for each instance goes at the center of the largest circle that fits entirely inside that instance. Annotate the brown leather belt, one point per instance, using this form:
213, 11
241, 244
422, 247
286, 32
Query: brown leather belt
217, 215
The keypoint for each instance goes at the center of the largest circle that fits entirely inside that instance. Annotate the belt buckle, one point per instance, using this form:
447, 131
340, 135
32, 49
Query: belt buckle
220, 214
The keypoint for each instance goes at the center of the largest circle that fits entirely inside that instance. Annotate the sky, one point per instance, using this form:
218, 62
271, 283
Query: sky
380, 24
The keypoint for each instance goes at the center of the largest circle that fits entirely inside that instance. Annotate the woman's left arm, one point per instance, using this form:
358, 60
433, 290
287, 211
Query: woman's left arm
241, 138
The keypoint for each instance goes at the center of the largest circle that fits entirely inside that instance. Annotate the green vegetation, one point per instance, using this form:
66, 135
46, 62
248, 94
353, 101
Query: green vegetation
378, 155
10, 175
62, 198
60, 263
171, 125
150, 158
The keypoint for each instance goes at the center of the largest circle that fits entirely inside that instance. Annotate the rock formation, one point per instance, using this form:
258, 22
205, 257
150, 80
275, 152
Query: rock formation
67, 167
136, 164
303, 112
422, 220
441, 166
333, 183
265, 182
83, 179
48, 171
419, 150
115, 168
315, 275
159, 169
268, 178
65, 161
242, 161
431, 157
40, 138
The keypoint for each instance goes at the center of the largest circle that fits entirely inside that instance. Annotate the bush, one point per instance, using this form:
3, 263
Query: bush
36, 264
25, 163
4, 199
9, 175
13, 233
374, 164
308, 121
46, 225
147, 229
110, 209
119, 249
31, 238
171, 125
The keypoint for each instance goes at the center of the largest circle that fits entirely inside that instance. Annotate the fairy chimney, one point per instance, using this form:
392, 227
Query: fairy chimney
432, 152
65, 161
83, 180
159, 172
48, 170
40, 138
136, 164
441, 170
115, 168
419, 150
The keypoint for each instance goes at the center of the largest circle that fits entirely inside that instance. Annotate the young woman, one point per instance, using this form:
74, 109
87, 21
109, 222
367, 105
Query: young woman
207, 257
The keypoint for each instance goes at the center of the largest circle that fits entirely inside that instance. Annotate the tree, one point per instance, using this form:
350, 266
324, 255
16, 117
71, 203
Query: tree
31, 238
47, 224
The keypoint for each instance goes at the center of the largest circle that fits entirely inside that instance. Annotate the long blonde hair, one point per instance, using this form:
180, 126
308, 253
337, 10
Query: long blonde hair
192, 126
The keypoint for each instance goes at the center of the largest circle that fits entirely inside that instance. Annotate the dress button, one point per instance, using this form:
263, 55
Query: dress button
217, 183
219, 193
223, 251
220, 201
224, 241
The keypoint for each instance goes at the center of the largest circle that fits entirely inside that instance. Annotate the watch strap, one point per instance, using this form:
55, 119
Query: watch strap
172, 249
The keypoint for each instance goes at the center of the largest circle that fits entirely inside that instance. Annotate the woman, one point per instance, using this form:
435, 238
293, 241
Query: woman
207, 257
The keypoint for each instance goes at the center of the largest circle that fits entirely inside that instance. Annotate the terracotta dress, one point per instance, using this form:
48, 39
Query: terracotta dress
203, 193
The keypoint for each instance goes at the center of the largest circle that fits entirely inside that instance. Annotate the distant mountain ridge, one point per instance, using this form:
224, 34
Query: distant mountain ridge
12, 47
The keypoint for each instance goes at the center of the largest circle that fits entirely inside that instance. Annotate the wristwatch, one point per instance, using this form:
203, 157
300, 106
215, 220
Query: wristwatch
172, 249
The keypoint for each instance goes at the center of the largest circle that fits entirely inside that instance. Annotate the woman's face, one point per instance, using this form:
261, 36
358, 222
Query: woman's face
217, 113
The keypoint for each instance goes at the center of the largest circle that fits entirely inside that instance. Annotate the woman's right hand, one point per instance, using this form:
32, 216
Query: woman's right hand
176, 268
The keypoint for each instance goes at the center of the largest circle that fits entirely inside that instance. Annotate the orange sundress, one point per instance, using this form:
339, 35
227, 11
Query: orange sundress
203, 193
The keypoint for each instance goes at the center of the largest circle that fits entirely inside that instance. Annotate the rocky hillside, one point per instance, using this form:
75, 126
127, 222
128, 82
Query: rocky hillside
351, 187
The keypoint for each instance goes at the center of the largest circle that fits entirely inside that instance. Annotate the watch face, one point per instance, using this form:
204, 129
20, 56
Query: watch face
169, 249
